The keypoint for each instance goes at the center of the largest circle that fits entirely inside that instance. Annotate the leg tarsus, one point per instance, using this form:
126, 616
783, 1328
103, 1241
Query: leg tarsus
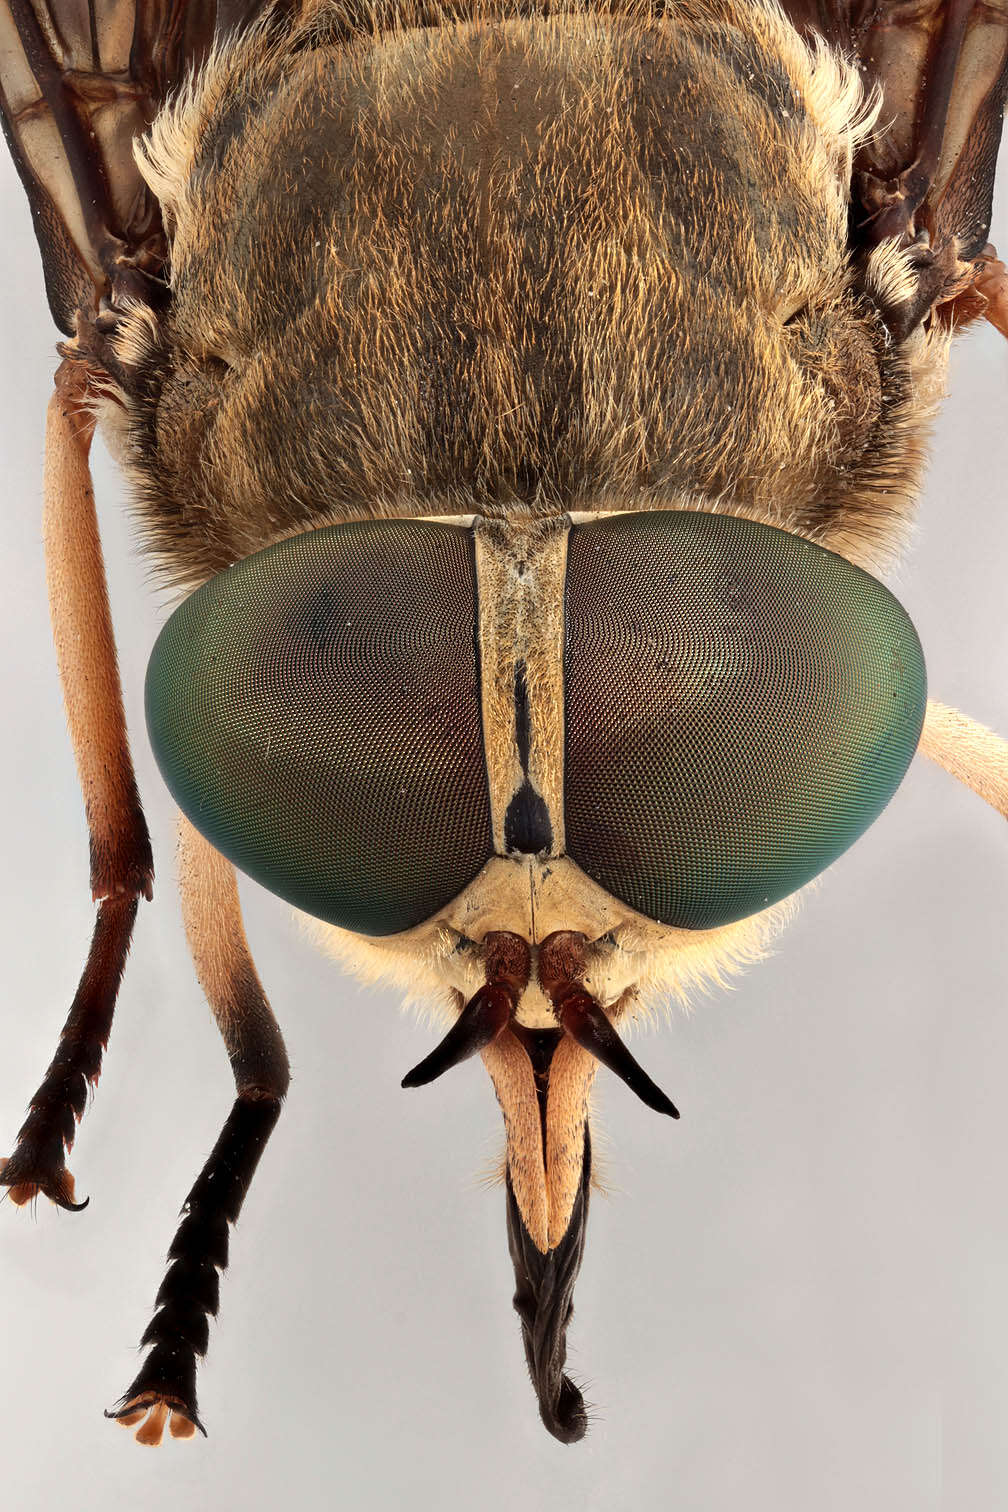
38, 1162
188, 1296
178, 1333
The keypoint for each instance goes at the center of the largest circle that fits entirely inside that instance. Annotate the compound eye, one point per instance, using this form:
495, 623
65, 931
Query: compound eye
315, 711
740, 705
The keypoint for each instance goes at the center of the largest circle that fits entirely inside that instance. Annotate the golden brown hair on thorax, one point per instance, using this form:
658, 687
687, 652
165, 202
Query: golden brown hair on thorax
596, 260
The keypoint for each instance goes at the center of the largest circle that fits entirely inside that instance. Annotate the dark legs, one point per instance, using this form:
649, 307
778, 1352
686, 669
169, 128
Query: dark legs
165, 1389
121, 865
38, 1162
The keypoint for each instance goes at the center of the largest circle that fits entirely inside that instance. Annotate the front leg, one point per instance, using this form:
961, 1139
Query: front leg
121, 864
165, 1389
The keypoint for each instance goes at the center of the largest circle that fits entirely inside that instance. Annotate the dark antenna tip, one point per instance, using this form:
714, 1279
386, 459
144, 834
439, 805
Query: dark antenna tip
587, 1023
484, 1017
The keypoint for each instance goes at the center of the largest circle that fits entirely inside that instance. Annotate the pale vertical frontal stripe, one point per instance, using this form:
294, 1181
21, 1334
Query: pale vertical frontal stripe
520, 570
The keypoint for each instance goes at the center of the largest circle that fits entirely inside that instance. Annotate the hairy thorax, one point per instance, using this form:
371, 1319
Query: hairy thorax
549, 264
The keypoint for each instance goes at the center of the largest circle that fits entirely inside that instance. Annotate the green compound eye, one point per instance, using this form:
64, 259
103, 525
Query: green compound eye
740, 706
315, 711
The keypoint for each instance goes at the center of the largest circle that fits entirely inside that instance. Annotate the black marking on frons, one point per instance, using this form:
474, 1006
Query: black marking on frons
523, 716
527, 827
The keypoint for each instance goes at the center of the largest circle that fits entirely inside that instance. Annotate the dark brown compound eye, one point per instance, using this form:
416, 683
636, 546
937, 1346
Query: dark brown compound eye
740, 705
316, 713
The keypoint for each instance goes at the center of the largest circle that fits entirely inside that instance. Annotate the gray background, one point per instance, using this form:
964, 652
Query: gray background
794, 1298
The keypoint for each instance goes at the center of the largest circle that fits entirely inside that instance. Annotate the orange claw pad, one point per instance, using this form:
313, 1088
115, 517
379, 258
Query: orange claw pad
59, 1190
152, 1413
